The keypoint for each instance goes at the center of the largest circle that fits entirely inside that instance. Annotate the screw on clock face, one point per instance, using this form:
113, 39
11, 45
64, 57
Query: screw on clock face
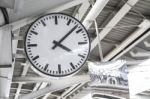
63, 38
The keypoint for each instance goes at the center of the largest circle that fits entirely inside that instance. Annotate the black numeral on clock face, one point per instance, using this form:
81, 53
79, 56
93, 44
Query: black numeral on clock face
82, 43
71, 64
36, 57
32, 45
56, 21
43, 23
33, 32
59, 68
78, 31
68, 21
46, 66
82, 56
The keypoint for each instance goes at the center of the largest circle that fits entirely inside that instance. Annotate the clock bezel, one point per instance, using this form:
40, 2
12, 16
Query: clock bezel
50, 75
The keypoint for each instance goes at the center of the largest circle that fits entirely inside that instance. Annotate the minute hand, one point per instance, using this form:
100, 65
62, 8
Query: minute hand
63, 38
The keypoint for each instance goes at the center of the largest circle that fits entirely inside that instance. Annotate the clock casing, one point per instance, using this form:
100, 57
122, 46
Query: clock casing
57, 45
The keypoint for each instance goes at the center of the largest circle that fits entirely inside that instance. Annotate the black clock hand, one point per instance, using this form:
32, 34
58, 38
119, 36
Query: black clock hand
64, 37
62, 46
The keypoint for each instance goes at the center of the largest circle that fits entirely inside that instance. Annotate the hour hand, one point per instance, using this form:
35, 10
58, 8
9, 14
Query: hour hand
61, 46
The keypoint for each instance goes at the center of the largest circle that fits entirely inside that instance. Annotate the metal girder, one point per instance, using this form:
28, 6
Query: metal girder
94, 12
131, 46
41, 79
140, 54
24, 72
142, 28
20, 23
5, 82
6, 64
119, 15
5, 47
36, 86
22, 89
55, 85
71, 90
82, 10
19, 55
46, 96
43, 85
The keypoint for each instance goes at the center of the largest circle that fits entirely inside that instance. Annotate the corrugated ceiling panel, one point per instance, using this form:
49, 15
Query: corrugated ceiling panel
124, 28
143, 6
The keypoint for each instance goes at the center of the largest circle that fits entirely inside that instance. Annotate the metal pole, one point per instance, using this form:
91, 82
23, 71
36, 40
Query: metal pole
99, 41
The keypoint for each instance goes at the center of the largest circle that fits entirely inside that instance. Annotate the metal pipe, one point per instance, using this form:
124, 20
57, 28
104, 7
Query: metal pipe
94, 12
121, 13
142, 28
99, 41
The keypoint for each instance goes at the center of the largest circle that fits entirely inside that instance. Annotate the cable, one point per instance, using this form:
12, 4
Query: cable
6, 17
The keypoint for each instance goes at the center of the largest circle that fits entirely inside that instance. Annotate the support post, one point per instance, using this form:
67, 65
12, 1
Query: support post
6, 68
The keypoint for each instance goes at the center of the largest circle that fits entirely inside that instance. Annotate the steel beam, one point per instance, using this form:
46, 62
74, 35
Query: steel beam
5, 82
5, 47
6, 64
36, 86
94, 12
82, 10
119, 15
142, 28
71, 90
20, 23
56, 85
41, 79
24, 72
140, 54
131, 46
79, 86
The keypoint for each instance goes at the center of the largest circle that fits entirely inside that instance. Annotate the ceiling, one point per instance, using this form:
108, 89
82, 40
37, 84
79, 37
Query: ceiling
123, 27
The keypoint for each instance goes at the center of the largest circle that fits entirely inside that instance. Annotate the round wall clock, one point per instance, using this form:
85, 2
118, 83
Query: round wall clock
57, 45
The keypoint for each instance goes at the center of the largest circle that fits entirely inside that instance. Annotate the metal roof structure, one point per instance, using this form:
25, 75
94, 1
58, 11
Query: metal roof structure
124, 31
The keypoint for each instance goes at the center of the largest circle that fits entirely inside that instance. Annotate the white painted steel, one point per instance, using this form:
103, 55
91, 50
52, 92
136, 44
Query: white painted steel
57, 85
142, 28
94, 12
120, 14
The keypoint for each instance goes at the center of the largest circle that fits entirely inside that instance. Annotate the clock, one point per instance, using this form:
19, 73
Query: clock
57, 45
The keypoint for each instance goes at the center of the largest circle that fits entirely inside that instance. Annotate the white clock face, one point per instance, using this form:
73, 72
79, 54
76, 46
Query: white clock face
57, 45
